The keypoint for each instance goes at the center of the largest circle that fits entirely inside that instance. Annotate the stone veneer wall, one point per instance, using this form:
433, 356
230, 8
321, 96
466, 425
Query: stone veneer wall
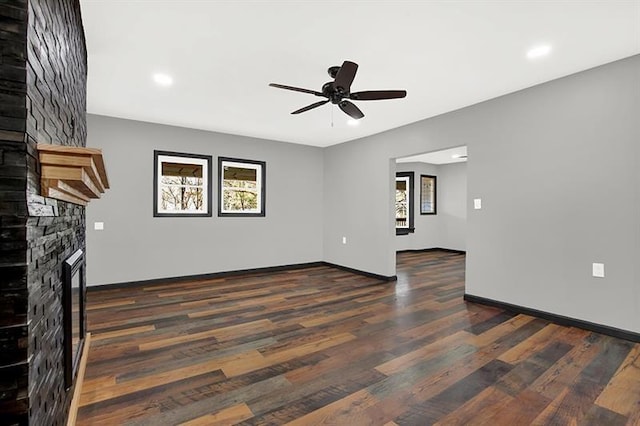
42, 100
14, 374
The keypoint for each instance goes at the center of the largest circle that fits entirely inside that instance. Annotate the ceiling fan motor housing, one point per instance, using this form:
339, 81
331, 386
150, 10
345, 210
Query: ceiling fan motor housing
334, 95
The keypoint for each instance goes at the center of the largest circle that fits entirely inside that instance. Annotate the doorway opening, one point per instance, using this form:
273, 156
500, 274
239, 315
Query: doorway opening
436, 207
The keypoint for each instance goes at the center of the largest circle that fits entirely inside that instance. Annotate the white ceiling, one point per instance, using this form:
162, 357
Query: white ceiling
445, 156
223, 54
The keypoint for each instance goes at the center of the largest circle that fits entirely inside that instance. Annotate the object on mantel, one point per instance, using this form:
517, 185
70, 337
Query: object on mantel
72, 174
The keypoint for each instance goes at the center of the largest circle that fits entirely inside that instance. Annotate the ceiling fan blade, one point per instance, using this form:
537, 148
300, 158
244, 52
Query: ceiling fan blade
295, 89
345, 76
351, 110
308, 107
375, 95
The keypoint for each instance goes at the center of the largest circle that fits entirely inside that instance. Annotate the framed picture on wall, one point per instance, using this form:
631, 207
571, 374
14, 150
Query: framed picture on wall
428, 197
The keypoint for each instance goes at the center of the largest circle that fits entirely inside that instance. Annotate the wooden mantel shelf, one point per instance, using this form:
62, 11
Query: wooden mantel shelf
72, 174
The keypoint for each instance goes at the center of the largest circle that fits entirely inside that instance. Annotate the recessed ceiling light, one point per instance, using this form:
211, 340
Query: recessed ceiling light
161, 79
353, 122
539, 51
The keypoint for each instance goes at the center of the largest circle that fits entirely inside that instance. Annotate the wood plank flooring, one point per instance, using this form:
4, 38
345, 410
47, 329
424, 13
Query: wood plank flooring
324, 346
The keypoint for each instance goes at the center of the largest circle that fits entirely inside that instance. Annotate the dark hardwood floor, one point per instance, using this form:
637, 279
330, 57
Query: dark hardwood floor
324, 346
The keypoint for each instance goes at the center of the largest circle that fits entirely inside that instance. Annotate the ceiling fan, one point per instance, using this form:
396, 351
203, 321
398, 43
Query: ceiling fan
338, 91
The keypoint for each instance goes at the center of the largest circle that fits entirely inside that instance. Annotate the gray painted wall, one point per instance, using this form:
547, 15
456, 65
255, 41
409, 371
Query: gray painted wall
557, 166
447, 228
359, 207
370, 163
427, 233
452, 205
136, 246
558, 177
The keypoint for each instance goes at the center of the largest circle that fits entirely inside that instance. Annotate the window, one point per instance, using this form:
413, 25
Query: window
428, 191
242, 187
181, 184
404, 203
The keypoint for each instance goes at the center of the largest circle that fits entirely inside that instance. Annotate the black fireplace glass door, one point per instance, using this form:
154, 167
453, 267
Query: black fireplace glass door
74, 294
76, 320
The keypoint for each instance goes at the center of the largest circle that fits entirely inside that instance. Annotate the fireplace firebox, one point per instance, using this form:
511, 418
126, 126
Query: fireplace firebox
73, 302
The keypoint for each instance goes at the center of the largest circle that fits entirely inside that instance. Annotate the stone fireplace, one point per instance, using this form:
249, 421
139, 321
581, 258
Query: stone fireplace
42, 100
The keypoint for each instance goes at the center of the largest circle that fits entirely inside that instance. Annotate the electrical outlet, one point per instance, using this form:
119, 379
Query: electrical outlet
344, 240
98, 226
477, 203
598, 270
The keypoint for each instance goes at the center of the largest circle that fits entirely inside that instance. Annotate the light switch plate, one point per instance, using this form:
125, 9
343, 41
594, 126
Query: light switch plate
598, 270
98, 226
477, 203
344, 240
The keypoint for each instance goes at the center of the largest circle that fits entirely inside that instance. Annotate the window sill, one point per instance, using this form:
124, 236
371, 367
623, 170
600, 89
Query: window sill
405, 231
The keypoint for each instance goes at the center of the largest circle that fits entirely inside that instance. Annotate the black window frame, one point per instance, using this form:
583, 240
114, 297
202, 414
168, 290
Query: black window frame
263, 187
208, 185
410, 204
435, 195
